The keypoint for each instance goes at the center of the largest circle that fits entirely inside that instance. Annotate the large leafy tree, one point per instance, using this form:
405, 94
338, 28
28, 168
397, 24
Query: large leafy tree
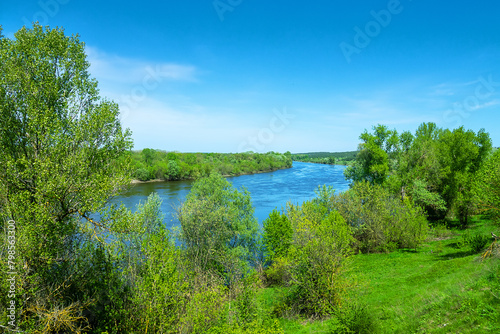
62, 156
462, 154
419, 172
375, 154
487, 186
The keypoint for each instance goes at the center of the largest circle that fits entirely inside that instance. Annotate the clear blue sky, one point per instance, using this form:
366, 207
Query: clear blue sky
238, 75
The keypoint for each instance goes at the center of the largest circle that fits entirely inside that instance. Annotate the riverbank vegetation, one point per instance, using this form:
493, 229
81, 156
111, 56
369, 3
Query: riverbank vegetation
407, 249
149, 164
328, 158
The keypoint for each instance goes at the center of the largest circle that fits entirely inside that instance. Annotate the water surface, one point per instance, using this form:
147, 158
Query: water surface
268, 190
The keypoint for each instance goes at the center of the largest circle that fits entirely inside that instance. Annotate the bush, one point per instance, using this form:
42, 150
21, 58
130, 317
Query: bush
277, 235
173, 170
352, 318
218, 229
320, 245
380, 221
142, 174
475, 242
279, 271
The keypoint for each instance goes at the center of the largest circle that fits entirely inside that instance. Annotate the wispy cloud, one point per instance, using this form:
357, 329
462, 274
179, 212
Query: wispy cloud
128, 70
485, 105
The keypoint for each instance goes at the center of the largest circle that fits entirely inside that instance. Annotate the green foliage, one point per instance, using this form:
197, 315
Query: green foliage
426, 198
277, 235
173, 170
339, 158
148, 155
462, 153
434, 167
278, 273
218, 229
429, 291
179, 166
486, 189
380, 221
353, 317
476, 242
372, 161
320, 246
62, 156
142, 174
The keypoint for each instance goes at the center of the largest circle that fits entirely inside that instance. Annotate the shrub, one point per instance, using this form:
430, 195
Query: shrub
173, 170
279, 271
142, 174
218, 229
475, 242
353, 317
320, 245
277, 235
380, 221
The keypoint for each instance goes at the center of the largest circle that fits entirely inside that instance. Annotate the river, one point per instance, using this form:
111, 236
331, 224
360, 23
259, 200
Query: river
268, 190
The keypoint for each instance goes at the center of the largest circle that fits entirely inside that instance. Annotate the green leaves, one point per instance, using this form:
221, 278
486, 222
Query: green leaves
277, 235
315, 262
486, 188
62, 156
218, 228
434, 167
372, 161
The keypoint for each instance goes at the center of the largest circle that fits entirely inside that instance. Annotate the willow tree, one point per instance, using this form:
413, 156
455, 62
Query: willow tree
62, 156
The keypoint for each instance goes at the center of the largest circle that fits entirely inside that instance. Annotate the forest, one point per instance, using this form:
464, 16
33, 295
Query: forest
329, 158
410, 247
149, 164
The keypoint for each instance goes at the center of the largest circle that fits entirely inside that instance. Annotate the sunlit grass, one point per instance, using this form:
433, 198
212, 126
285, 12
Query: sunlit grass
442, 287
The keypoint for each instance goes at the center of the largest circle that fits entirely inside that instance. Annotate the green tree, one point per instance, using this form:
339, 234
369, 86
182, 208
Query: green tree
419, 174
462, 154
320, 246
277, 235
173, 170
487, 186
372, 162
62, 156
218, 229
148, 155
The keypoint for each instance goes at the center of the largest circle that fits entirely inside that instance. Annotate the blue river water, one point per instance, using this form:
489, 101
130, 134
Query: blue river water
268, 190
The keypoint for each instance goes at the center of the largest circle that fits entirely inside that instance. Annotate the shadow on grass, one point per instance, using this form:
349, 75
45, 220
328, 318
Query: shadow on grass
456, 255
408, 250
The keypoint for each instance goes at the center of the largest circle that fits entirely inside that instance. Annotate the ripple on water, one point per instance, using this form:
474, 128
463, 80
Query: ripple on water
268, 190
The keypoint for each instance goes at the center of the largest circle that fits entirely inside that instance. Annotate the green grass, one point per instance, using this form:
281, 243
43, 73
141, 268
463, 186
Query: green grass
443, 287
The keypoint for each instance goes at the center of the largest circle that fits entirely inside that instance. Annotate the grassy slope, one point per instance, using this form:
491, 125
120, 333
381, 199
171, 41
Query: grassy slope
440, 288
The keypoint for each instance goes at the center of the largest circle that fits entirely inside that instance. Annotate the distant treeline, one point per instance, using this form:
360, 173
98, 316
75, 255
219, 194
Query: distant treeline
150, 164
330, 158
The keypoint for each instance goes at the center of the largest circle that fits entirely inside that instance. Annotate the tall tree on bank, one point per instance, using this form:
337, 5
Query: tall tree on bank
62, 156
434, 167
372, 162
462, 153
487, 186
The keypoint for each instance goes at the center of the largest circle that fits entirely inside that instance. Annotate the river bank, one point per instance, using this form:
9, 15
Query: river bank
134, 181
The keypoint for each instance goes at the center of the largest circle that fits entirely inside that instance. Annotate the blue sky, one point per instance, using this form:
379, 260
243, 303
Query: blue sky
239, 75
